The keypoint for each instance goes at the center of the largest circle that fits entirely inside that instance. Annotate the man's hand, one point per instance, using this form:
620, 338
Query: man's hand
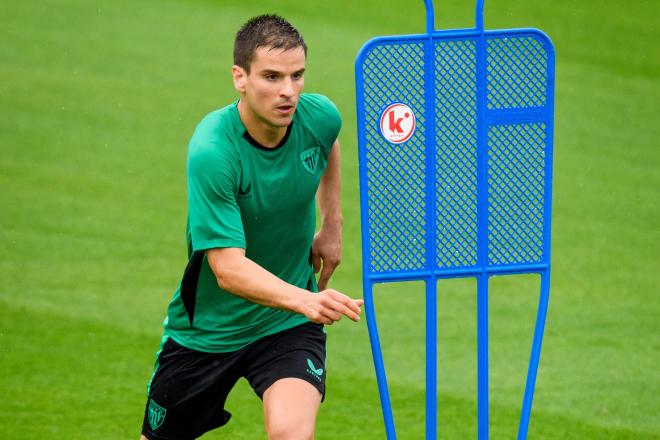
328, 306
326, 252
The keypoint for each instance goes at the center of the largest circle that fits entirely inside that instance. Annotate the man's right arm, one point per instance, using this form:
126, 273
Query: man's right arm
243, 277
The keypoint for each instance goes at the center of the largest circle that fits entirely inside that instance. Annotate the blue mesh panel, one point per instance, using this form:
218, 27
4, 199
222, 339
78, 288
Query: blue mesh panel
395, 172
456, 153
516, 188
481, 207
516, 72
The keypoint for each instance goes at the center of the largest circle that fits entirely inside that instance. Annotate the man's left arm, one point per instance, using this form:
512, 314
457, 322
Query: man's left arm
326, 250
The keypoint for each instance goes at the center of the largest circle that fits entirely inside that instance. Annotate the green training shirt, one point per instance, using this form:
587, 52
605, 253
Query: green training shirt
241, 194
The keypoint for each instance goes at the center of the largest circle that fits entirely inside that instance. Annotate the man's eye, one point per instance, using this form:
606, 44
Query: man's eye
297, 75
271, 77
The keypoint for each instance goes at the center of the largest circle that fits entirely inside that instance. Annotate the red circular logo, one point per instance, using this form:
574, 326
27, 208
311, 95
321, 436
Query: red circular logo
397, 123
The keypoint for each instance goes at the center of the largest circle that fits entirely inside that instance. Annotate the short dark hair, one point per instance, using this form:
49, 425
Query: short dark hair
268, 30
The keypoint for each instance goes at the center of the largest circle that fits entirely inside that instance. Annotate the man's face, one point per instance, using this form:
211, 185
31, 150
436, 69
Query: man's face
272, 88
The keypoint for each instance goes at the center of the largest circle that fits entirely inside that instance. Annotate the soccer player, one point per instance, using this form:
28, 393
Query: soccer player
248, 304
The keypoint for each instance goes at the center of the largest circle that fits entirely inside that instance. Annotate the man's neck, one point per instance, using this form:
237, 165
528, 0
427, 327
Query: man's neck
266, 135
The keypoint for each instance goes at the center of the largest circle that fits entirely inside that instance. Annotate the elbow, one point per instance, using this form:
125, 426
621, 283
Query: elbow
224, 280
227, 266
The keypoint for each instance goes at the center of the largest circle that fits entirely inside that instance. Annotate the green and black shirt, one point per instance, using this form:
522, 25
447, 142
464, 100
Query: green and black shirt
243, 195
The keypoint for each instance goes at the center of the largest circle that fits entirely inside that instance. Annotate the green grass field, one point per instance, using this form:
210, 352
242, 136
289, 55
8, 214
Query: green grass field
97, 102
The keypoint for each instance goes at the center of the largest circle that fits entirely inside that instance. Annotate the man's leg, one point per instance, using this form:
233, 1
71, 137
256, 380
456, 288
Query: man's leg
290, 408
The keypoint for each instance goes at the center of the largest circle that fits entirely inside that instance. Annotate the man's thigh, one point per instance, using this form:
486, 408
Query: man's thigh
287, 370
290, 409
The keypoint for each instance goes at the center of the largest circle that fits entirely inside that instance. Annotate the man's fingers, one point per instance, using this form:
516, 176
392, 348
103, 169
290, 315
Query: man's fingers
316, 261
344, 305
332, 315
329, 306
323, 281
326, 273
321, 316
337, 310
353, 304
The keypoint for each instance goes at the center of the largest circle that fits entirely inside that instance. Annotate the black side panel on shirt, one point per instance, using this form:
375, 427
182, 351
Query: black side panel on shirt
189, 283
311, 264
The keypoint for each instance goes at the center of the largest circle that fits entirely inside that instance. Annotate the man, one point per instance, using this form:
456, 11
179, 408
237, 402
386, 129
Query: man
246, 305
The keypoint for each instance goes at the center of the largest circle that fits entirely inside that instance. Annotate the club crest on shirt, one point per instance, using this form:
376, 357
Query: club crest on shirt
310, 159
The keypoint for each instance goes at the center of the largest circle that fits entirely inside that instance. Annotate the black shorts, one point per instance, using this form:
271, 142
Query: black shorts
189, 388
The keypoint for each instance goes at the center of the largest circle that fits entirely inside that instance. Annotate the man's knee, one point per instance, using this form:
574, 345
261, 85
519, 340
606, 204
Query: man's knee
289, 430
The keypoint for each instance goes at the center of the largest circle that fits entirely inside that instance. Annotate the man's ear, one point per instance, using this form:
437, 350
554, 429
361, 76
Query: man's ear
239, 76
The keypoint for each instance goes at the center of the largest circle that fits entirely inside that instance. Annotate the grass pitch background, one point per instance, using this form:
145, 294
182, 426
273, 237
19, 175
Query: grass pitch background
97, 103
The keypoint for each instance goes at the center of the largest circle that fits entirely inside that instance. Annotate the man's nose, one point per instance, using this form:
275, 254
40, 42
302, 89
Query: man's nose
287, 88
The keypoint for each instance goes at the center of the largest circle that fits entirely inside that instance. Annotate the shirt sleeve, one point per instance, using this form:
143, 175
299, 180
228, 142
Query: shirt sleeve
327, 120
214, 215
